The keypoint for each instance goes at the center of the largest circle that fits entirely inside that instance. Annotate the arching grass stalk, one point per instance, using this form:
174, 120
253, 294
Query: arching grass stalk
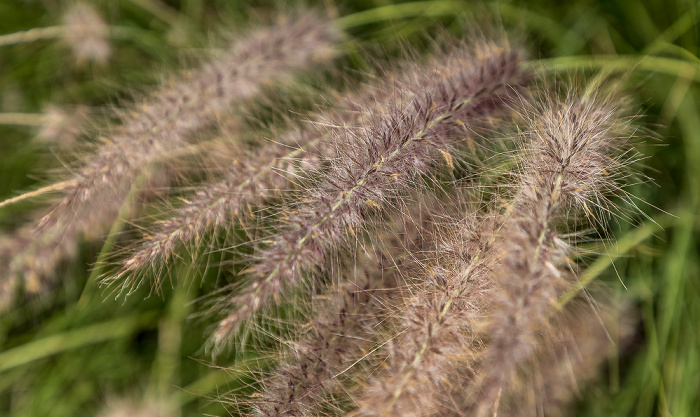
572, 158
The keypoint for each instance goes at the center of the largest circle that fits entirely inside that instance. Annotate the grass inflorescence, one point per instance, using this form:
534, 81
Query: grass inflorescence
398, 210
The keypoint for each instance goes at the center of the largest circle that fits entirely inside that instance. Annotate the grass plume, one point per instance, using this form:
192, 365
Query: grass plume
574, 150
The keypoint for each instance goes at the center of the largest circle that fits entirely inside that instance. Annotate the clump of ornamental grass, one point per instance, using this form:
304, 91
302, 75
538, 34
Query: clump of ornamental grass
154, 127
414, 258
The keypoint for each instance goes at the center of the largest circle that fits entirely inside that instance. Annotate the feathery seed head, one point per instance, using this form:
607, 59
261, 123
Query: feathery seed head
62, 126
87, 35
572, 149
164, 121
584, 139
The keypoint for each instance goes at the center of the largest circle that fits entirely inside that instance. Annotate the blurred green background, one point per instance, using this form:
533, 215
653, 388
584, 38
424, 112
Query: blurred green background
74, 352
